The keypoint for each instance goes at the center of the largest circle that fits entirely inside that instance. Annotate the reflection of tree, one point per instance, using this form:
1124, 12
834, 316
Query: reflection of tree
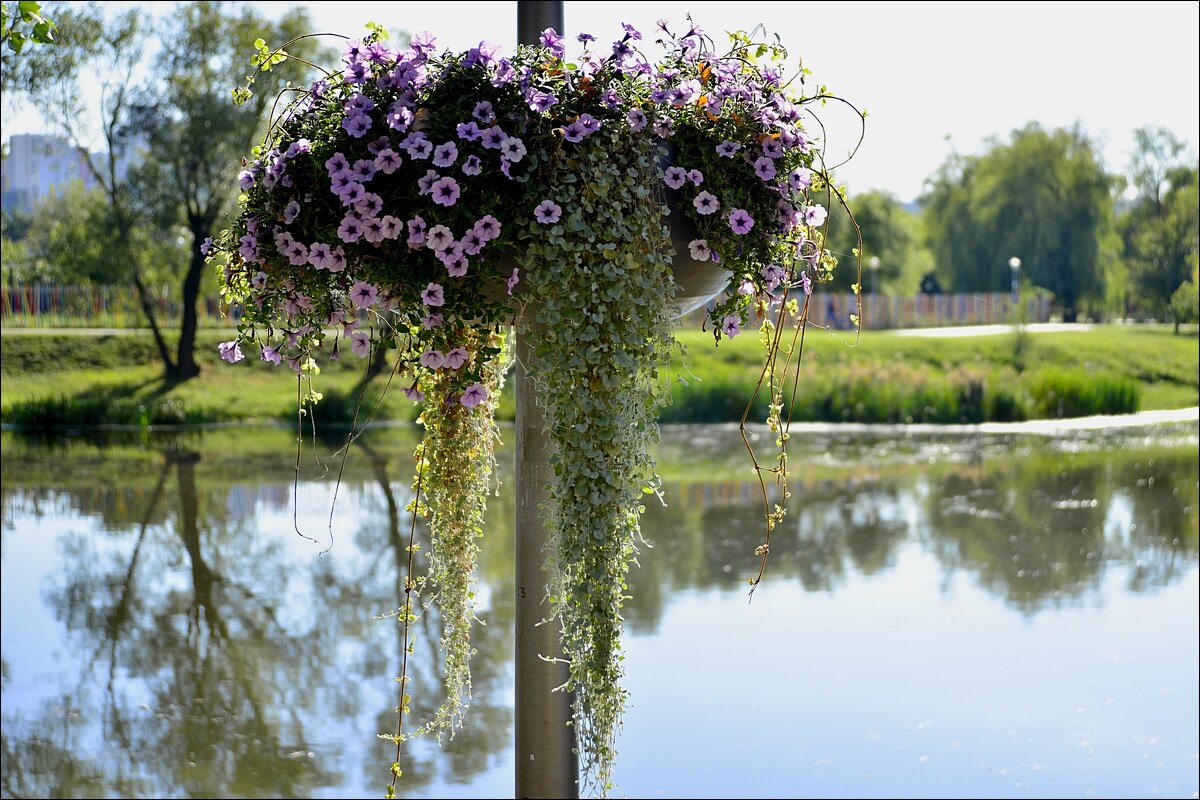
1162, 539
1032, 531
832, 526
487, 727
215, 669
1036, 527
197, 677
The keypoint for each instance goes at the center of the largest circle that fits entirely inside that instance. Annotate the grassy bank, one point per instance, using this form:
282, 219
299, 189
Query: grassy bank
55, 380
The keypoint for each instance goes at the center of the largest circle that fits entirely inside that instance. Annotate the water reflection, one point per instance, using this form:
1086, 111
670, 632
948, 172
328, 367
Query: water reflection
166, 631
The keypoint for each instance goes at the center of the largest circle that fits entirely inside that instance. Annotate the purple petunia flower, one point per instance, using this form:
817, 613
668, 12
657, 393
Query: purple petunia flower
513, 279
472, 165
360, 344
364, 169
445, 154
230, 351
369, 205
699, 250
432, 321
439, 238
541, 101
433, 359
391, 227
551, 40
413, 393
456, 357
350, 230
805, 282
636, 119
357, 124
548, 212
764, 168
363, 294
695, 176
740, 221
290, 211
352, 193
432, 295
296, 254
706, 203
445, 191
472, 243
662, 127
512, 149
246, 179
269, 353
675, 177
475, 394
468, 131
456, 263
728, 148
773, 276
800, 178
337, 163
772, 148
493, 137
488, 227
731, 326
426, 181
815, 215
319, 255
387, 161
484, 112
416, 232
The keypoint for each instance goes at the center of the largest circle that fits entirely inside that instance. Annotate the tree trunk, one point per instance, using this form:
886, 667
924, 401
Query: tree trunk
148, 309
186, 366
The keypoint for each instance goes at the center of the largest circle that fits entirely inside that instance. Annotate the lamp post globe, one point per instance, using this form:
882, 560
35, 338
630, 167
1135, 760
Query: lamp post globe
1014, 264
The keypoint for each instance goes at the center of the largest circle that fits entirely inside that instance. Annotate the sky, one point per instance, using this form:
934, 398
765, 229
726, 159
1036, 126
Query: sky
935, 78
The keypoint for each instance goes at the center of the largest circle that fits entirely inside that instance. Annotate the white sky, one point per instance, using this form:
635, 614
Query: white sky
933, 76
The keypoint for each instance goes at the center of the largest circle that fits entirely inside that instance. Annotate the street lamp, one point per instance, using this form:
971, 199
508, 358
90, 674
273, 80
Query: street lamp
1014, 264
874, 265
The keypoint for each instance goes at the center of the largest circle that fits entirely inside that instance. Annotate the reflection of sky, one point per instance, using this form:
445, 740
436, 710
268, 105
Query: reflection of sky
917, 680
898, 685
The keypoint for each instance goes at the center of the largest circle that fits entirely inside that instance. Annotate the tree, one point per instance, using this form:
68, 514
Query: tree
170, 148
196, 136
890, 232
1160, 229
110, 47
69, 238
1042, 197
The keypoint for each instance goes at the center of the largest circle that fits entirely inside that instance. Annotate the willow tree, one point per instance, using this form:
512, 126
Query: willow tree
1043, 197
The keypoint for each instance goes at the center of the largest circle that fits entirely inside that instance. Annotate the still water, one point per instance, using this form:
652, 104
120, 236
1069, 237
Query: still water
944, 615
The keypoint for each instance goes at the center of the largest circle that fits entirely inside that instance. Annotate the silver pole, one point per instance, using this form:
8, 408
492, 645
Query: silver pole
547, 766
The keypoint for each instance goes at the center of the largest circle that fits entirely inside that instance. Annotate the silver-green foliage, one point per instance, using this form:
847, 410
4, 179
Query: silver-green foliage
598, 310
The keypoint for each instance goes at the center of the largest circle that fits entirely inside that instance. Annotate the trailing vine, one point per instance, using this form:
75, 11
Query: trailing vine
457, 457
602, 320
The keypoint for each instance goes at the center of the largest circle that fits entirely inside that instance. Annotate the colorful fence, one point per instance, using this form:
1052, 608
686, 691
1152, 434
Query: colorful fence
52, 306
921, 311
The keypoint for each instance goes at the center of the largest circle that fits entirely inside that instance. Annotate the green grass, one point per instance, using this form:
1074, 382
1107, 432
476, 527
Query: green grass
56, 380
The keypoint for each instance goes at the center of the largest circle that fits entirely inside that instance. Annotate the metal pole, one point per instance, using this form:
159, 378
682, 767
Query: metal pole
546, 766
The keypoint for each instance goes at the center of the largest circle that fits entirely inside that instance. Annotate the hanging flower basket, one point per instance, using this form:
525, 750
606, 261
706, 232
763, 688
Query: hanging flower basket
417, 199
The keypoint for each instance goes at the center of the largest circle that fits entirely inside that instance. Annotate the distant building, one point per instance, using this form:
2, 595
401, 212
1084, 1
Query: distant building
38, 165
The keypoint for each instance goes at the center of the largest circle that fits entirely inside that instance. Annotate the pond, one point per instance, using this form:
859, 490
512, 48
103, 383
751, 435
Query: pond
944, 614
